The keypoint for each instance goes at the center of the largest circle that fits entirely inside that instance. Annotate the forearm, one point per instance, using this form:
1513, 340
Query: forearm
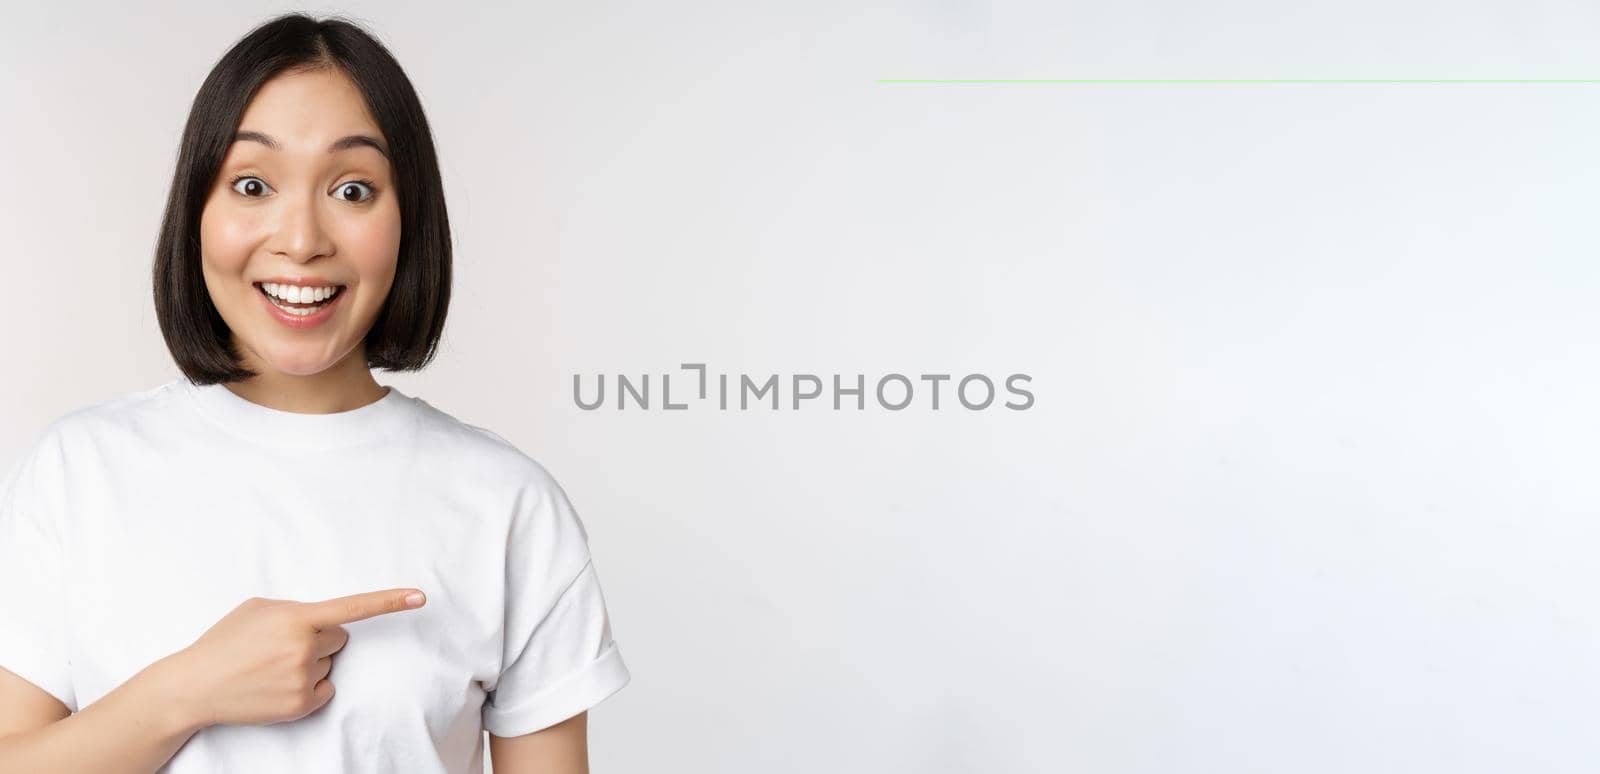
134, 729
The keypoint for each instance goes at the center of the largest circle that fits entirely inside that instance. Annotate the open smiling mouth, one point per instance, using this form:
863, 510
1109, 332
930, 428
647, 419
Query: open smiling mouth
298, 301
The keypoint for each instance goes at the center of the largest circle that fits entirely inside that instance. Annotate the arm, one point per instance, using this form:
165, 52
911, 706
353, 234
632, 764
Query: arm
266, 661
135, 729
560, 749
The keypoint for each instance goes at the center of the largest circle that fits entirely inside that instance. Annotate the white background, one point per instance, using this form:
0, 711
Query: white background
1308, 485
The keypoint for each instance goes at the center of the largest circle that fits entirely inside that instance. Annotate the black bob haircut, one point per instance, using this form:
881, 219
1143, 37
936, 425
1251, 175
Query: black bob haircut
405, 336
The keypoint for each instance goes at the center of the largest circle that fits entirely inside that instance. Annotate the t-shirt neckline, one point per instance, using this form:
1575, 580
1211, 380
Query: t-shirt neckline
381, 418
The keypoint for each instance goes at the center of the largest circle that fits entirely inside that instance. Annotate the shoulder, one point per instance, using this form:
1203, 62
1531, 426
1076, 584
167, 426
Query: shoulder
41, 468
478, 459
127, 409
543, 520
479, 450
92, 424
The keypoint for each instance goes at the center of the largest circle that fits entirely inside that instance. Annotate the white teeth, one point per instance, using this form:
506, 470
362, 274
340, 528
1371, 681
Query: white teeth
281, 295
296, 294
297, 311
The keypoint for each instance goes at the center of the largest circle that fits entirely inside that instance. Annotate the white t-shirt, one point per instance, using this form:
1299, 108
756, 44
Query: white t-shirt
134, 524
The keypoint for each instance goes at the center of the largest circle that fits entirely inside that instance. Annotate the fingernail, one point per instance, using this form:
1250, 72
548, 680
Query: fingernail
414, 598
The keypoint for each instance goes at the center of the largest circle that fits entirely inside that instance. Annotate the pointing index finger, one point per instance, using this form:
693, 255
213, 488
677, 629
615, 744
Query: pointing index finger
355, 607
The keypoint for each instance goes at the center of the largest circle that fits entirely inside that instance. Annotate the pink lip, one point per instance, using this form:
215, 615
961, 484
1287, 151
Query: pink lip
305, 282
308, 321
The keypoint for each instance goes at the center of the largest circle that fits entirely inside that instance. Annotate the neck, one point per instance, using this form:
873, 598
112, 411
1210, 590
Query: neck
345, 386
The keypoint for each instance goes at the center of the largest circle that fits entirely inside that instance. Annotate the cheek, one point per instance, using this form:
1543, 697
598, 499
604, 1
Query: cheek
372, 243
226, 237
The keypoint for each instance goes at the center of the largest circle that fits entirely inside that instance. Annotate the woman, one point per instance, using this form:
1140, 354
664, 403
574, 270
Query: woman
276, 563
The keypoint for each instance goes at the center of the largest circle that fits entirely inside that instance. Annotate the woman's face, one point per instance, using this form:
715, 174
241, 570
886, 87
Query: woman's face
303, 202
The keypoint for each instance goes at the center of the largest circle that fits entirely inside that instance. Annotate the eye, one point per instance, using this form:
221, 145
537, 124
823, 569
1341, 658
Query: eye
353, 191
253, 186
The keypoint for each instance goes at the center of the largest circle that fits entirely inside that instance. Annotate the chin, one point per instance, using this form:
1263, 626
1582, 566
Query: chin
298, 366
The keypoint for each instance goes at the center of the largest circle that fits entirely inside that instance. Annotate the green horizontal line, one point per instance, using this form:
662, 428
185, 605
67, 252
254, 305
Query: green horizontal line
1242, 80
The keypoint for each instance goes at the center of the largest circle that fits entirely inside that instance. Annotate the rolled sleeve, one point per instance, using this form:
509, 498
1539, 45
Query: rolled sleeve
569, 664
33, 642
558, 657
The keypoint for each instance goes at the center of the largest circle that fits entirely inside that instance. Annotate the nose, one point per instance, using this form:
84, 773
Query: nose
300, 233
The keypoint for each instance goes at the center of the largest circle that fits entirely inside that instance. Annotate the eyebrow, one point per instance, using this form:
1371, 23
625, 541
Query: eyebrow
343, 143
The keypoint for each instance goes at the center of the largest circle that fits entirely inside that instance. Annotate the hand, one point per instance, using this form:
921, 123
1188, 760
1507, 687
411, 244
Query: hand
267, 660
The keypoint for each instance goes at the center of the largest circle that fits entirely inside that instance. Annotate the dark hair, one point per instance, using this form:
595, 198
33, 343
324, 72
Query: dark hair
405, 335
